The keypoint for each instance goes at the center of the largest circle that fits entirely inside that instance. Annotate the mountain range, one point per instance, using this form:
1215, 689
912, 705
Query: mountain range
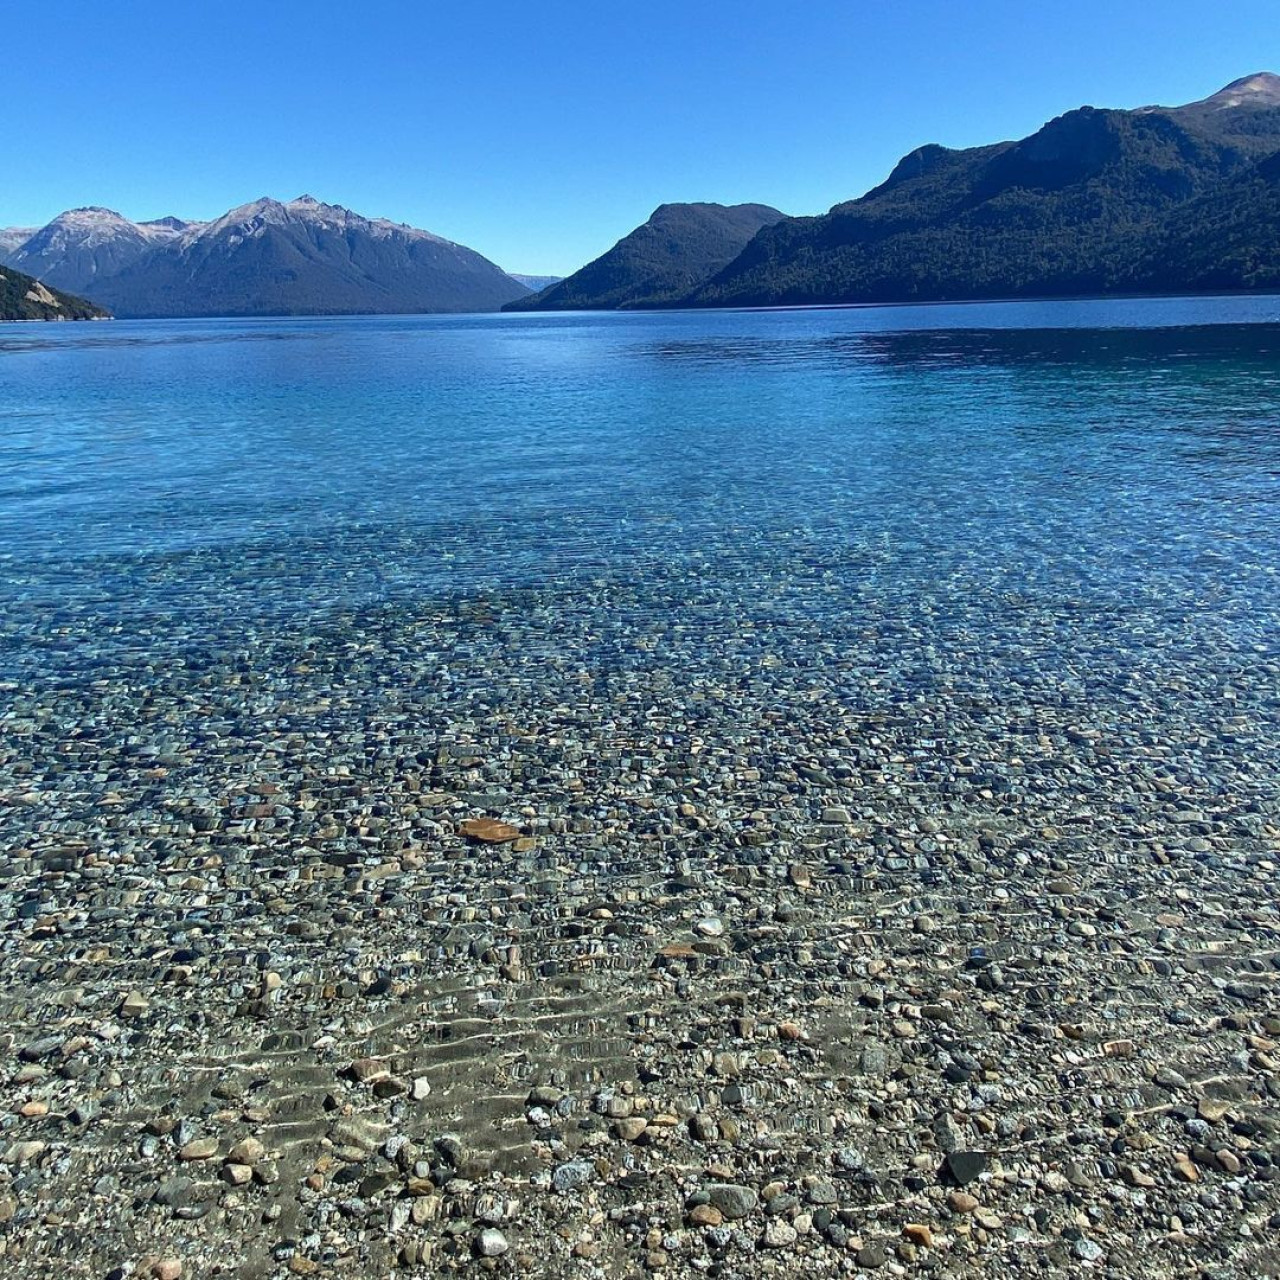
302, 257
1159, 199
1096, 202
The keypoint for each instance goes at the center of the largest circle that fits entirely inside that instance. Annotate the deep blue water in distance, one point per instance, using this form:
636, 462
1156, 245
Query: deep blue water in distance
1117, 456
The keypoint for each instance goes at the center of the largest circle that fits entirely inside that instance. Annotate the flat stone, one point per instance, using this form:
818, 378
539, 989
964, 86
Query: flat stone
572, 1175
489, 831
1087, 1250
822, 1192
871, 1256
173, 1191
732, 1200
779, 1234
963, 1167
1212, 1109
38, 1049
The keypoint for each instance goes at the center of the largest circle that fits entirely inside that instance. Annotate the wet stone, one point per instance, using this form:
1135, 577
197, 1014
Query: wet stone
731, 1200
962, 1167
572, 1175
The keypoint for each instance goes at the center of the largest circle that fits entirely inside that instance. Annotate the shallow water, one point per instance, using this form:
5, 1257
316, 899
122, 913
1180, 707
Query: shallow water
1106, 462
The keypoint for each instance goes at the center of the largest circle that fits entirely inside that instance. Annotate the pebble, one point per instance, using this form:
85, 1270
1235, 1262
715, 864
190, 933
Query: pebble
871, 1256
572, 1175
491, 1243
247, 1151
732, 1200
779, 1235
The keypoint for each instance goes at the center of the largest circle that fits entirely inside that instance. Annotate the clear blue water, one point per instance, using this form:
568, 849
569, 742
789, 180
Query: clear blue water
1111, 461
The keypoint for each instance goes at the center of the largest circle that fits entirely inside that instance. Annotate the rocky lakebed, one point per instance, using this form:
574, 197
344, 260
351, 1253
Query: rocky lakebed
624, 931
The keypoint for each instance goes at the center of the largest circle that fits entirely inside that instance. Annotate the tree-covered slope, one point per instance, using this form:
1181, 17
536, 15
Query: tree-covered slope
1226, 241
24, 298
679, 247
1069, 210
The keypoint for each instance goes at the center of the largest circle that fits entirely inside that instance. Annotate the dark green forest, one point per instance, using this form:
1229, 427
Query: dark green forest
1157, 200
660, 262
22, 298
1095, 202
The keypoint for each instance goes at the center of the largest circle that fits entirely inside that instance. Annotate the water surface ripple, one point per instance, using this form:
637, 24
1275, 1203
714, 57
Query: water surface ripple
1090, 459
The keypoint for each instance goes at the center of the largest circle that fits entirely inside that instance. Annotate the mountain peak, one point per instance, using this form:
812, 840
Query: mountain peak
90, 213
168, 225
1261, 89
243, 218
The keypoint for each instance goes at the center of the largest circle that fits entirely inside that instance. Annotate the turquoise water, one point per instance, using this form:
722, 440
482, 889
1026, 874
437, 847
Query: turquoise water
1089, 461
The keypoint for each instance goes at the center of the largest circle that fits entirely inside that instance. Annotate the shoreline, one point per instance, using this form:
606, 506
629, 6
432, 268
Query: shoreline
1239, 295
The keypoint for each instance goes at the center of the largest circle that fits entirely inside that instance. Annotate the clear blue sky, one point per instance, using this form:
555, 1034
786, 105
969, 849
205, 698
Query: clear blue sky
540, 131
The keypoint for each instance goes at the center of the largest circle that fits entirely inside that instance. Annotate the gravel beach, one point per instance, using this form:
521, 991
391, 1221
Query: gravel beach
610, 929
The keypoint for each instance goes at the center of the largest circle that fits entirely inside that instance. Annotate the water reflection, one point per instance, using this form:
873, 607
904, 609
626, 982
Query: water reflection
941, 349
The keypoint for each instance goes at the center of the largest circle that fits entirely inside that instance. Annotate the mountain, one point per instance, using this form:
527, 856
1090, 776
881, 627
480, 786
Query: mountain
530, 282
23, 298
264, 258
81, 247
679, 247
1246, 112
12, 238
1075, 208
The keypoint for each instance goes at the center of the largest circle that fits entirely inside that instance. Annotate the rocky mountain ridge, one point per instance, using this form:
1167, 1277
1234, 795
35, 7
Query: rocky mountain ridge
265, 257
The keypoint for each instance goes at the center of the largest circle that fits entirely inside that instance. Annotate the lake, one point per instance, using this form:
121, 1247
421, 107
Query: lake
1105, 455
